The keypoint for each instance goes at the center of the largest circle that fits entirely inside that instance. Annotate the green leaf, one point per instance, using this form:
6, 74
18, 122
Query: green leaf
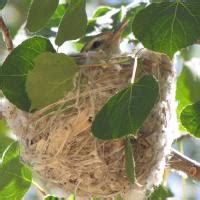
4, 143
129, 161
2, 4
13, 72
16, 178
3, 128
74, 22
39, 13
160, 193
100, 11
168, 27
57, 16
51, 78
71, 197
50, 197
190, 119
188, 83
125, 112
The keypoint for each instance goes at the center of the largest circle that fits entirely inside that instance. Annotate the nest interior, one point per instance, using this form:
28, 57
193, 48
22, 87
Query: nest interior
58, 145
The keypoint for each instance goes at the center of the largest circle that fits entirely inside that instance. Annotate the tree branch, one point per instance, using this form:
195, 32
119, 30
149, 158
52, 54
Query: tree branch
180, 162
6, 35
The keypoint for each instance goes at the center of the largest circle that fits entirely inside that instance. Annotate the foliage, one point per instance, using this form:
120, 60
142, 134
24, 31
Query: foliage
14, 70
2, 4
34, 75
39, 13
190, 118
160, 193
15, 176
52, 73
133, 105
168, 27
77, 26
129, 161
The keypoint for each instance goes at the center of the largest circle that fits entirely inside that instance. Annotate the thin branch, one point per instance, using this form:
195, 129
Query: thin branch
180, 162
39, 188
6, 35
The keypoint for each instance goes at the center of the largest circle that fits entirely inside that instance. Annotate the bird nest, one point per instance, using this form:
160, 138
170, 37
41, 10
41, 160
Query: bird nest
57, 142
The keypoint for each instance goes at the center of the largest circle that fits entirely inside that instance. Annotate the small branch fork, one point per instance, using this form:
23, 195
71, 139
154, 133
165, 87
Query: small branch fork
6, 35
180, 162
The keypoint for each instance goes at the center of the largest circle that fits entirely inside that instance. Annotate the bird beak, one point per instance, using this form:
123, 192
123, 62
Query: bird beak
117, 34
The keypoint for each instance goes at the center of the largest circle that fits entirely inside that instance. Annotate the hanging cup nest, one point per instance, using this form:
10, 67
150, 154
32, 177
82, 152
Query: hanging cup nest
58, 144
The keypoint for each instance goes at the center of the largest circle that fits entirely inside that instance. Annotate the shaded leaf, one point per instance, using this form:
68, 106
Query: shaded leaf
16, 178
125, 112
160, 193
51, 78
13, 72
190, 119
168, 27
129, 161
39, 13
2, 4
74, 23
188, 83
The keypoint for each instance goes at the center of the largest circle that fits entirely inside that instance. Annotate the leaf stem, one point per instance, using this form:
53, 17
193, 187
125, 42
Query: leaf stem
39, 188
134, 69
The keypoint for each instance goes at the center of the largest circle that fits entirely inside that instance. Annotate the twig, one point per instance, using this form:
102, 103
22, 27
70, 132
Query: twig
182, 163
6, 35
39, 188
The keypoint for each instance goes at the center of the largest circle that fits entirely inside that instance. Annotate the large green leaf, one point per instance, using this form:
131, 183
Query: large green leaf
39, 13
74, 22
188, 83
168, 27
160, 193
129, 161
16, 178
2, 3
125, 112
54, 21
14, 70
190, 118
51, 78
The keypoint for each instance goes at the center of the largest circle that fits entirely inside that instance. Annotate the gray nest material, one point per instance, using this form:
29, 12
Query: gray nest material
57, 142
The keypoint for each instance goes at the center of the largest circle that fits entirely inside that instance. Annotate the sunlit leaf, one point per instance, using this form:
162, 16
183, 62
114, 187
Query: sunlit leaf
39, 13
13, 72
188, 83
125, 112
16, 178
190, 119
51, 78
168, 27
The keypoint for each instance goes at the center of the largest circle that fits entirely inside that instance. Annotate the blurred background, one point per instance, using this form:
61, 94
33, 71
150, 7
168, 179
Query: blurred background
183, 188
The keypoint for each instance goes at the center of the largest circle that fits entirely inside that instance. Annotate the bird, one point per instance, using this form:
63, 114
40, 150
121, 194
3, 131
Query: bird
108, 42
